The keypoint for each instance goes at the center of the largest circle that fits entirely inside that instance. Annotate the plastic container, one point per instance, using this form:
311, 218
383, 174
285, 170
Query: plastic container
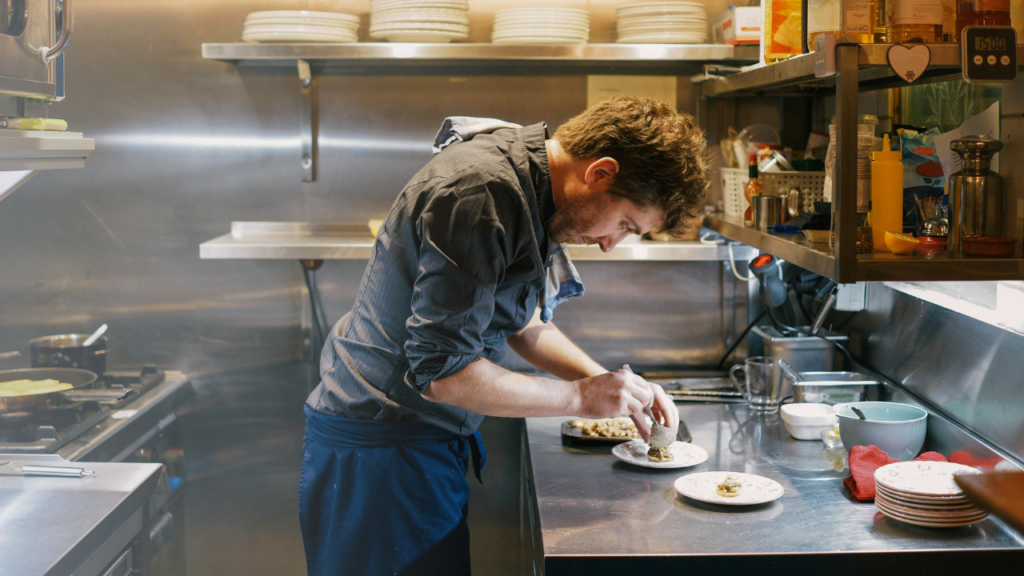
733, 180
806, 421
897, 429
886, 194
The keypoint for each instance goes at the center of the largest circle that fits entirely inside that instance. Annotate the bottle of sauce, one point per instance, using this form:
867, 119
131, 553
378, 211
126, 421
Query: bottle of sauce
914, 21
879, 23
886, 194
750, 189
981, 13
781, 30
856, 20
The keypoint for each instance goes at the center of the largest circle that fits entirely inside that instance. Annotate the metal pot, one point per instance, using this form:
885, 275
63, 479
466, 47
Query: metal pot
66, 351
27, 403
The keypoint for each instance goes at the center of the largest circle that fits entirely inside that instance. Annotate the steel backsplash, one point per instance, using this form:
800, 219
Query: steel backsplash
967, 368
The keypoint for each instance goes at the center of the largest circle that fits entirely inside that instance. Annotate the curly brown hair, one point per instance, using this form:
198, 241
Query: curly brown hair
661, 154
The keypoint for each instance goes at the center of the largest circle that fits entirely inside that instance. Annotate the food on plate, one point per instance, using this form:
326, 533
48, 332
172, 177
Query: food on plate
29, 387
660, 454
730, 487
606, 427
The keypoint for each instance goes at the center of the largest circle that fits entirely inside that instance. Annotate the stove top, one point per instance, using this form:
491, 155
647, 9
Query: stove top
115, 396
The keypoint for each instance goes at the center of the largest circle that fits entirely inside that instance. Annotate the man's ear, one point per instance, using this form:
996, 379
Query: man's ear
601, 170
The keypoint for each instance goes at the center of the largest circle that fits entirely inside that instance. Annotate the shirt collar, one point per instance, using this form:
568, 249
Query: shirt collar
534, 138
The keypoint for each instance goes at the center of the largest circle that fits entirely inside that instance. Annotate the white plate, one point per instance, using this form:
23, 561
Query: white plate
684, 455
519, 25
927, 523
377, 29
404, 16
953, 503
936, 515
338, 16
304, 21
923, 478
539, 37
671, 39
660, 7
298, 38
543, 10
538, 40
542, 32
516, 18
381, 5
661, 30
425, 36
287, 29
702, 486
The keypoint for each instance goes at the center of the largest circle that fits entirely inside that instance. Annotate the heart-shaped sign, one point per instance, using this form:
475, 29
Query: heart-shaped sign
909, 61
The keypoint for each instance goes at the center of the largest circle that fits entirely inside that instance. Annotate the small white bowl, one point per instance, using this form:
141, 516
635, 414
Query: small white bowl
807, 420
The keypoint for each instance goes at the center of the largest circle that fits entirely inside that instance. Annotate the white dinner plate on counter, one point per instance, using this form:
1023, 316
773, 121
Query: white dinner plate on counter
684, 454
703, 486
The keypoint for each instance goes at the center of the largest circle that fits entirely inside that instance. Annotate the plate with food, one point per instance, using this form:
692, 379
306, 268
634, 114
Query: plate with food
600, 430
728, 488
675, 455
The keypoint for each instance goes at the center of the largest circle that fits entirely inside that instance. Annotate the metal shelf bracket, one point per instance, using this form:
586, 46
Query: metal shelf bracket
309, 112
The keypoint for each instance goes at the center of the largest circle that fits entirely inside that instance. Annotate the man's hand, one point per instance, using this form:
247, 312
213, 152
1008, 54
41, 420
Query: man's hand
622, 393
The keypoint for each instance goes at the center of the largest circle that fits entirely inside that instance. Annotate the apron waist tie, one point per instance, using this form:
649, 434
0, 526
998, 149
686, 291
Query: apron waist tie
342, 432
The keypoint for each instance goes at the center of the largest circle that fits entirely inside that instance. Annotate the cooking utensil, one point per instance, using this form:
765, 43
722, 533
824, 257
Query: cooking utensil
28, 402
12, 469
975, 192
95, 336
897, 429
766, 211
858, 412
793, 374
69, 351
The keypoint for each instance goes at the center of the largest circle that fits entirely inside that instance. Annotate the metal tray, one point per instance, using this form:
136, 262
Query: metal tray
833, 387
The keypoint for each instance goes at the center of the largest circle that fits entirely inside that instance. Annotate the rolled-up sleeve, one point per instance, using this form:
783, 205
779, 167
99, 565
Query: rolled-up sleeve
463, 255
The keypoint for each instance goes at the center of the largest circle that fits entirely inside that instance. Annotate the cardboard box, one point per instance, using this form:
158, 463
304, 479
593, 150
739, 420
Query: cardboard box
738, 25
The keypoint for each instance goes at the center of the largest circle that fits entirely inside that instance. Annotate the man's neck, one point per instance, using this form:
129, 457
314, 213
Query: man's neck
560, 165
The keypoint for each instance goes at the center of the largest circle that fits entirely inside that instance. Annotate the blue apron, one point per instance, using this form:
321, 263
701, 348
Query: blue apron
385, 497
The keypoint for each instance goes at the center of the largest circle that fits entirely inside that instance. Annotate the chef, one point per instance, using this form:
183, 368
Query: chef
471, 258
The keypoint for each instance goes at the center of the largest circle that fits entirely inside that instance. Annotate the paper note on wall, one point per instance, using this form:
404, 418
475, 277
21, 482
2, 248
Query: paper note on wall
984, 124
601, 88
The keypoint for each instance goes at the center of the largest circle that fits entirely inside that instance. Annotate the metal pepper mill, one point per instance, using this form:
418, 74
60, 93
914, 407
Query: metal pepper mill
976, 193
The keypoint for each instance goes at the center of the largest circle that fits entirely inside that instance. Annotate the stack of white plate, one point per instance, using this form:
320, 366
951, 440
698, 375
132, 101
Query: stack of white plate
541, 26
420, 20
925, 494
300, 26
662, 23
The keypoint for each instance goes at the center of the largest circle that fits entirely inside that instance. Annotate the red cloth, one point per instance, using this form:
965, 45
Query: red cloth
864, 460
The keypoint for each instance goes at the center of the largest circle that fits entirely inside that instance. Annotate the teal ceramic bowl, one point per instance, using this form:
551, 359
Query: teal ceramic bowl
898, 429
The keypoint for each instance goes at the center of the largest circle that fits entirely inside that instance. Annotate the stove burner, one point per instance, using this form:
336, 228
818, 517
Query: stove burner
48, 429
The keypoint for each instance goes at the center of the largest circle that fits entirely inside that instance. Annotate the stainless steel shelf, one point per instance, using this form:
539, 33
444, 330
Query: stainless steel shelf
797, 74
881, 267
383, 54
308, 241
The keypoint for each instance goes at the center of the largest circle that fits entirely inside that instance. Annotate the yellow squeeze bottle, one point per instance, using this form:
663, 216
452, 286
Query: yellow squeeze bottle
886, 194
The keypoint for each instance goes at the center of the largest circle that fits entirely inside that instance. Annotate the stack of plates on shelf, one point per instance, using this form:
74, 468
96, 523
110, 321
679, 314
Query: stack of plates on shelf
420, 20
925, 494
662, 23
541, 26
300, 26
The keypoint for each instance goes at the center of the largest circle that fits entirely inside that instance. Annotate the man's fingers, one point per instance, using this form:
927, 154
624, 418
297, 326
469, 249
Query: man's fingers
641, 426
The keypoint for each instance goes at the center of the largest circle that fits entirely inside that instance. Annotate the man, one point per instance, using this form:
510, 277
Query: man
469, 259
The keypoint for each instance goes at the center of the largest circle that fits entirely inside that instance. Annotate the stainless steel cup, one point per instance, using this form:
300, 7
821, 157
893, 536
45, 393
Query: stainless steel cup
766, 211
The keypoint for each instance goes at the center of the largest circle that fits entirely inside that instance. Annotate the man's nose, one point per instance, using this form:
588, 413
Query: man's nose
611, 240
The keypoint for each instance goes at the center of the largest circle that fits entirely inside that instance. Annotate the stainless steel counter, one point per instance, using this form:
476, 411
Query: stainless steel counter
591, 512
60, 526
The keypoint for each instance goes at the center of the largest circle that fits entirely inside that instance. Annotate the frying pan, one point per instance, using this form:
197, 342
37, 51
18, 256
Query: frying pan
28, 402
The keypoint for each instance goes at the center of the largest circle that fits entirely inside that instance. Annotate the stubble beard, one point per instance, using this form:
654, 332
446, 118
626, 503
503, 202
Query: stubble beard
570, 223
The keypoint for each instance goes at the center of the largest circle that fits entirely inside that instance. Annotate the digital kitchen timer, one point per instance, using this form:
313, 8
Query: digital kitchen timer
989, 53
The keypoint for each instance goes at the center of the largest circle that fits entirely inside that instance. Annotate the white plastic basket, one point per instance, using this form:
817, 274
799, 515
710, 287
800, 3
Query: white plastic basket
811, 185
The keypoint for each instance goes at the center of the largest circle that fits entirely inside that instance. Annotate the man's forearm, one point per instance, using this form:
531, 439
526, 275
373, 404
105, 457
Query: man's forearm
486, 388
544, 346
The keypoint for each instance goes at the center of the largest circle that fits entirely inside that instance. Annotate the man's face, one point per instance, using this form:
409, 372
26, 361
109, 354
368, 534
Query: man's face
589, 214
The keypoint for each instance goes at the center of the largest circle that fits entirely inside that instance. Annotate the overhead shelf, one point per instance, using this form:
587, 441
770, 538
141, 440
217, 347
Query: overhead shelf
39, 150
798, 74
384, 54
879, 267
310, 241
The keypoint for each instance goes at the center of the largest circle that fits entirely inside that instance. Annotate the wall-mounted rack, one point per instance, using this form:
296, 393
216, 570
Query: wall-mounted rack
858, 68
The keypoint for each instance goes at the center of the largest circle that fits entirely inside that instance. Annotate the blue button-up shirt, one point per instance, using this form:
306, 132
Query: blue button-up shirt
457, 267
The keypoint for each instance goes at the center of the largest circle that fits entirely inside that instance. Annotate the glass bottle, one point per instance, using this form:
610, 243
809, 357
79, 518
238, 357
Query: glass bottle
750, 189
879, 21
981, 13
856, 20
914, 21
780, 33
822, 16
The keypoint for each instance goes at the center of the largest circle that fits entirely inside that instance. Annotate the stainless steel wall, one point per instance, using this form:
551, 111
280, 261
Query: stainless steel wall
968, 369
183, 147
